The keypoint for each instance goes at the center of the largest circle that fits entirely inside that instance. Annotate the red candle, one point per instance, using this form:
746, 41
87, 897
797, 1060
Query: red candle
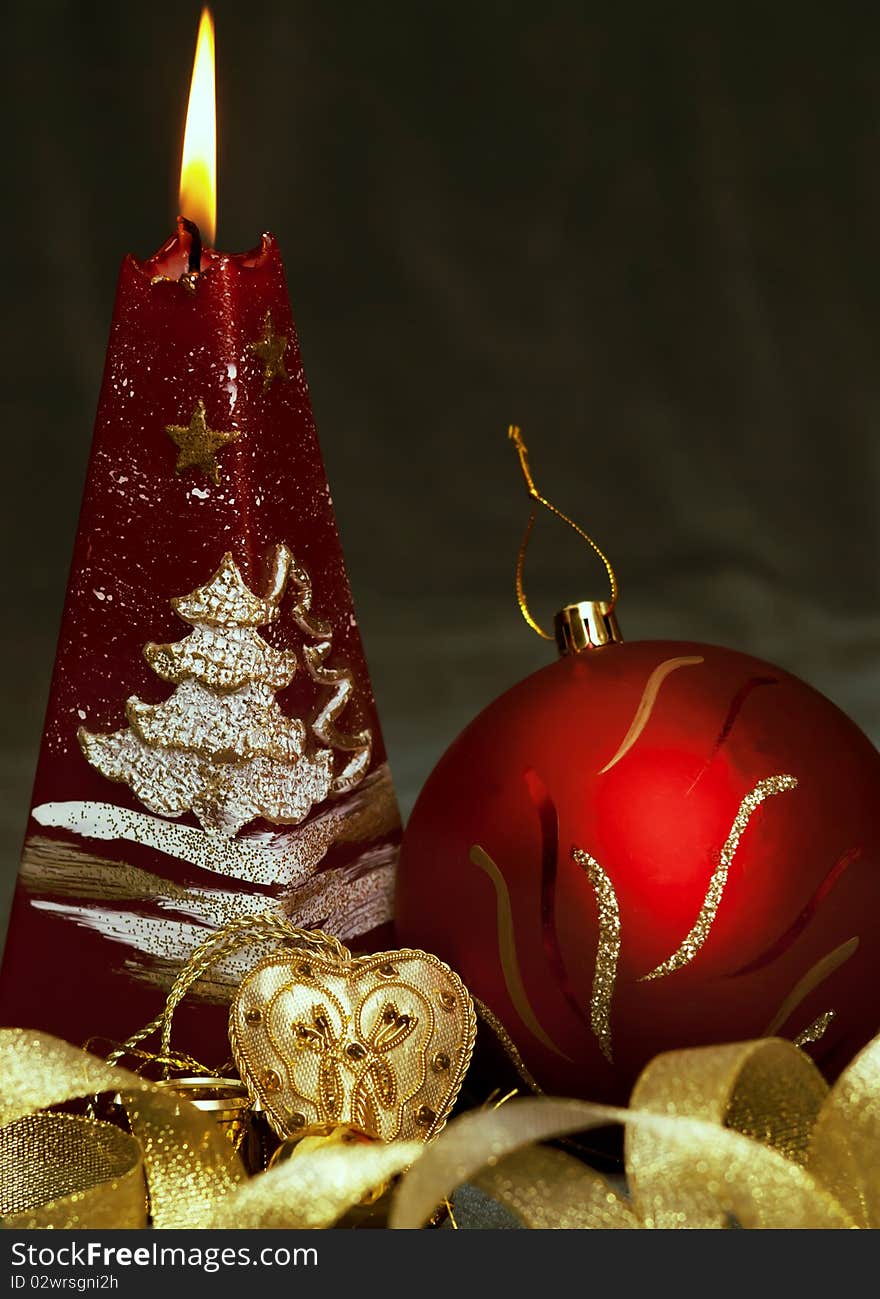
211, 746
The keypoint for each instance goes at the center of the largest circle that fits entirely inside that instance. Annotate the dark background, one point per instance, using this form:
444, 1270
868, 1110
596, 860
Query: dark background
649, 234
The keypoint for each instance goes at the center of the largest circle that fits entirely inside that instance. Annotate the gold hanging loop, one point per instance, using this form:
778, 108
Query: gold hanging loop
522, 451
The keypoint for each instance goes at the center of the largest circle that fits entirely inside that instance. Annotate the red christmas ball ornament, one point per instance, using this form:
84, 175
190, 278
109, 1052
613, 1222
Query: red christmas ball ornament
652, 845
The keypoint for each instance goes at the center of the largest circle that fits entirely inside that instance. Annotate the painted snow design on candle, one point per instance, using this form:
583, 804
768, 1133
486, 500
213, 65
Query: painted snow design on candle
259, 858
348, 901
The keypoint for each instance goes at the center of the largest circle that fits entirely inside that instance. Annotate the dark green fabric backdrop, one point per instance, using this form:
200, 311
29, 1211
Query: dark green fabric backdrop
647, 233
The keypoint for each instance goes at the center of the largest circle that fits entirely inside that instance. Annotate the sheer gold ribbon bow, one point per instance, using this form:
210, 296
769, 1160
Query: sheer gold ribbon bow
748, 1133
63, 1170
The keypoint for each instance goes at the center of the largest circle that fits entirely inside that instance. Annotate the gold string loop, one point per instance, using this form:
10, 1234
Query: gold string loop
242, 932
515, 436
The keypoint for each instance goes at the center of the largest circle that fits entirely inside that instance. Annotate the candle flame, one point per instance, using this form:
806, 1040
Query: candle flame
198, 169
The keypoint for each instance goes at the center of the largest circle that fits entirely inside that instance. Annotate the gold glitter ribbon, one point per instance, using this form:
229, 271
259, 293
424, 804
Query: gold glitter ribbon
747, 1134
67, 1171
190, 1169
60, 1170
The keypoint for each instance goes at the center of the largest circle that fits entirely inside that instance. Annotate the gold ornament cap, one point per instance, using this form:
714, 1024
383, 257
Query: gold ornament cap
589, 624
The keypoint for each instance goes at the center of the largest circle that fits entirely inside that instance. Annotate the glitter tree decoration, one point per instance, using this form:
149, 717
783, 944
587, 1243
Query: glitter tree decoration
220, 745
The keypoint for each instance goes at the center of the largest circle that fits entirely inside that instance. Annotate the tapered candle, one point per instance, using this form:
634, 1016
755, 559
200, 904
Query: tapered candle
211, 745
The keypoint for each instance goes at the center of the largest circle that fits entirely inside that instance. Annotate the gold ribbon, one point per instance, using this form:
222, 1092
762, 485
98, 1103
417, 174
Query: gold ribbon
93, 1179
748, 1132
58, 1170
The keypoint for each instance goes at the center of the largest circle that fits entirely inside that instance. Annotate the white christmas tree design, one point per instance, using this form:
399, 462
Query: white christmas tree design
220, 745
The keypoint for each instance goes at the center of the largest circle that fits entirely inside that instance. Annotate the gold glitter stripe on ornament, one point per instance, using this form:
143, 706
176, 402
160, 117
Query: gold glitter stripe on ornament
706, 918
814, 976
507, 949
607, 949
507, 1044
816, 1031
646, 703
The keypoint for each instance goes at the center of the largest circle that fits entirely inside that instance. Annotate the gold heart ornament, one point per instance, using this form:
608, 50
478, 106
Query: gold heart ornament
382, 1042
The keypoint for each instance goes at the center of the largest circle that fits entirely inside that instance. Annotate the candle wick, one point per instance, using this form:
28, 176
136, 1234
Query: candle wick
194, 261
194, 265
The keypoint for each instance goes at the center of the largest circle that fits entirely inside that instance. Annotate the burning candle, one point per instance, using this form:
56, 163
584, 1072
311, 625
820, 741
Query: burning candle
198, 166
211, 745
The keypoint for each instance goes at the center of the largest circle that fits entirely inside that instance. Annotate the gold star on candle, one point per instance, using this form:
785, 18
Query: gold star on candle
270, 349
198, 445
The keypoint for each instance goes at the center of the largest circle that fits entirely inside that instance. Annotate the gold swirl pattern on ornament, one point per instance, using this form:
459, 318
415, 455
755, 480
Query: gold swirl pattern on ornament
816, 1031
647, 701
697, 936
507, 950
817, 974
607, 950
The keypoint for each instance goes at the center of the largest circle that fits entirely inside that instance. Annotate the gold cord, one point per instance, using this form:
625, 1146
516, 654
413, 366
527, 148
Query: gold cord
515, 436
244, 931
177, 1060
